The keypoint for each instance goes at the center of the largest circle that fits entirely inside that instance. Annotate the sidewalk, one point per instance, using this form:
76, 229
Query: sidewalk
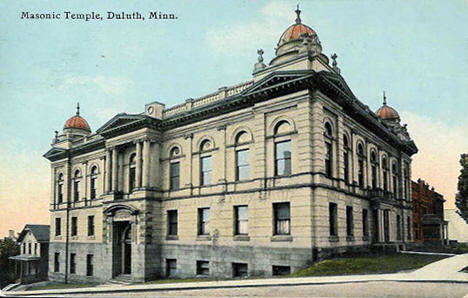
445, 270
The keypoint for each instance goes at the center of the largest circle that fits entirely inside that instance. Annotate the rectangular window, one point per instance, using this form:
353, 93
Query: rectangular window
361, 172
89, 265
171, 267
24, 248
203, 268
374, 176
240, 270
91, 225
60, 193
35, 248
281, 270
241, 220
74, 226
242, 164
172, 222
349, 221
332, 215
408, 228
58, 226
328, 159
346, 166
57, 262
29, 248
72, 263
174, 176
283, 158
132, 178
76, 189
203, 221
93, 188
205, 164
282, 218
395, 187
398, 226
365, 223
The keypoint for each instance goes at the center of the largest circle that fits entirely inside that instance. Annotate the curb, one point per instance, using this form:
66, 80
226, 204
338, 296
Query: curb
205, 287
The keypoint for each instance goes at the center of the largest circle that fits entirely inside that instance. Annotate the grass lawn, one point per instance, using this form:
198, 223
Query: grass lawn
367, 265
60, 286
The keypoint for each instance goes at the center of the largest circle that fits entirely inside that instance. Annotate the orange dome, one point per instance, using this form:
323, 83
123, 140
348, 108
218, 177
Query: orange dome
387, 112
294, 32
77, 122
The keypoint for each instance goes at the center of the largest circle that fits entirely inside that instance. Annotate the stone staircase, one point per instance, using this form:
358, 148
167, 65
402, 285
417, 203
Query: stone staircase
122, 279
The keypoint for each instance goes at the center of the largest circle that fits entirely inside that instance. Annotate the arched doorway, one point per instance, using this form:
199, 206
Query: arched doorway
126, 243
122, 252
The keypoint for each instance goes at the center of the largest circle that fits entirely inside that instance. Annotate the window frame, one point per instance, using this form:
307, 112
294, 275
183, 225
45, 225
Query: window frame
203, 223
172, 176
91, 226
89, 265
170, 222
72, 263
238, 221
287, 160
333, 219
242, 166
349, 221
203, 267
277, 226
58, 227
204, 181
56, 262
74, 226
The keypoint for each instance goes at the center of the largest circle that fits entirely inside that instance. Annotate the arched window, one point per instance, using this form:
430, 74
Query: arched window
328, 150
174, 169
76, 186
395, 180
360, 154
92, 184
60, 189
346, 158
132, 172
174, 152
385, 173
282, 149
205, 162
242, 156
406, 181
373, 160
398, 226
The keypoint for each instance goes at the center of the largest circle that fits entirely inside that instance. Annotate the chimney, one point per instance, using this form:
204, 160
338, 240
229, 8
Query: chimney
11, 234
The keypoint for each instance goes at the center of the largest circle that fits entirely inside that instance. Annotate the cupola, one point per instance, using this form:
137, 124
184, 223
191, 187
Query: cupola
77, 124
386, 112
296, 39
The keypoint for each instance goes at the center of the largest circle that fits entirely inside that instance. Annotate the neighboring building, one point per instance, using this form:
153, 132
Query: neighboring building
261, 178
428, 214
11, 236
32, 262
457, 227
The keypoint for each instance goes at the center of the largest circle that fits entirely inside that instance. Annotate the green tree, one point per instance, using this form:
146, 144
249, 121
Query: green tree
8, 248
461, 200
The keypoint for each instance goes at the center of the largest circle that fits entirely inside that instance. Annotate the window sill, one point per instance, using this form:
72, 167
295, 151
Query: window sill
58, 238
350, 238
203, 238
91, 237
172, 237
365, 238
281, 238
333, 238
241, 238
74, 237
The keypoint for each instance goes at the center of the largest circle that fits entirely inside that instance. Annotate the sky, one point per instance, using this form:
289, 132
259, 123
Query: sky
414, 50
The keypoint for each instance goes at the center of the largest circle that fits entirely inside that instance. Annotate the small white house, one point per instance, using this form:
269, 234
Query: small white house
31, 263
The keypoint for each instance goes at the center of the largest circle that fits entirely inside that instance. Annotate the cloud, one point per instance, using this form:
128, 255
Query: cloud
263, 30
112, 86
440, 146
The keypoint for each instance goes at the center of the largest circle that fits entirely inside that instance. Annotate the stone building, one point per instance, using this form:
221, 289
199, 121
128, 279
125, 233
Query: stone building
428, 214
260, 178
33, 261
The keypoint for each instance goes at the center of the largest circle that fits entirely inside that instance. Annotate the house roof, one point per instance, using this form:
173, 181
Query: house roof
40, 232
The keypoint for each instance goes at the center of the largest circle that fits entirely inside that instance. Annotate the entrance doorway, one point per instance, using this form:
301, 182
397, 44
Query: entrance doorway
122, 256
